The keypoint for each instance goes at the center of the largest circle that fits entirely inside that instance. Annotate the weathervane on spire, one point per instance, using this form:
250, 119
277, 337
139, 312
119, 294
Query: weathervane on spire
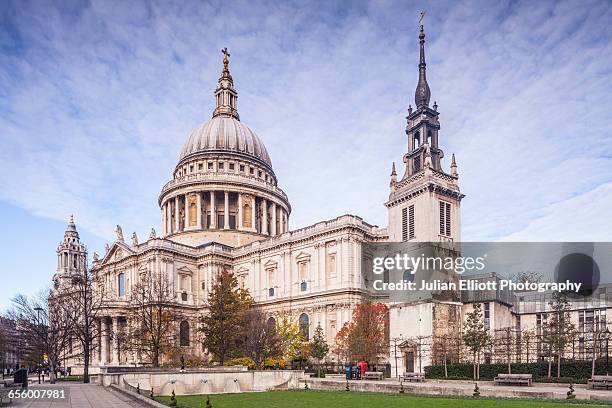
422, 18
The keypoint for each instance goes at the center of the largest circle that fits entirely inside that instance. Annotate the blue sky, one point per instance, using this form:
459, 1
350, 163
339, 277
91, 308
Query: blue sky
97, 98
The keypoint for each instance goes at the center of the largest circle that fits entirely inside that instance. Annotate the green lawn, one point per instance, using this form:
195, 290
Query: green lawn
339, 399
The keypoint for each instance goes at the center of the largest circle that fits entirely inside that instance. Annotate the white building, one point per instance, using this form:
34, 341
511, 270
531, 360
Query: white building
223, 208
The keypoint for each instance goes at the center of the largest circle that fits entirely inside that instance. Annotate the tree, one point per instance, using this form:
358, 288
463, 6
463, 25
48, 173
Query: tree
600, 334
527, 337
155, 314
261, 340
318, 346
44, 327
227, 308
81, 303
368, 333
476, 336
341, 344
291, 339
559, 330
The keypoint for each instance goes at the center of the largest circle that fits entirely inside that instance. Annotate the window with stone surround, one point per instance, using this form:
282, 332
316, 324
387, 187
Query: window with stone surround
184, 333
304, 324
121, 284
445, 218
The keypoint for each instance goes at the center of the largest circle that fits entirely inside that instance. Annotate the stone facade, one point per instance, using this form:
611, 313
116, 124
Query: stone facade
224, 208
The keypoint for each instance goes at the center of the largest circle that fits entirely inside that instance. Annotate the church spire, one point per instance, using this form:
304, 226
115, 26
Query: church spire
422, 94
225, 94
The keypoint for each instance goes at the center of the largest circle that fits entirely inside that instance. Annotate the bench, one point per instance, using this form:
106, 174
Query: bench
601, 381
513, 379
373, 375
5, 396
410, 377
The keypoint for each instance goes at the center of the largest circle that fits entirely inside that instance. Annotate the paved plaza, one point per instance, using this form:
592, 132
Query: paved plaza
81, 396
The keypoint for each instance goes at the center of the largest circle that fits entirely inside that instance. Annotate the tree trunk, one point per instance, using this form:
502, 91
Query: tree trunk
549, 365
155, 359
445, 367
474, 365
559, 364
51, 372
86, 358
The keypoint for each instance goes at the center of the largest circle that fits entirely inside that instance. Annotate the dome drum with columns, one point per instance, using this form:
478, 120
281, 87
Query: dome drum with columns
224, 188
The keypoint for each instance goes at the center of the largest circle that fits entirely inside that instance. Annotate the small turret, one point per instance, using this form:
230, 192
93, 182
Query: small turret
393, 176
453, 167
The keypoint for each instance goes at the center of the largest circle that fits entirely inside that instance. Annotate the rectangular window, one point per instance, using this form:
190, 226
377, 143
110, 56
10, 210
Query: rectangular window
411, 233
408, 231
210, 165
121, 284
221, 166
242, 167
331, 265
231, 166
303, 270
404, 224
445, 218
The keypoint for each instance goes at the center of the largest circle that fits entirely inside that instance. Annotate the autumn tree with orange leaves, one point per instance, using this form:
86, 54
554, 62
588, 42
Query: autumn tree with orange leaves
366, 337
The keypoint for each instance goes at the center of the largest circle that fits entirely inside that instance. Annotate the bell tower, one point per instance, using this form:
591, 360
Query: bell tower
71, 257
424, 204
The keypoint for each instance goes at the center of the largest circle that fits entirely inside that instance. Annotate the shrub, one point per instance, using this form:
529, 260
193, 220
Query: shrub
243, 361
275, 363
571, 371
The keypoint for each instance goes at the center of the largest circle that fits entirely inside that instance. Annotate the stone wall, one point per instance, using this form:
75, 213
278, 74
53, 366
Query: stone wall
203, 381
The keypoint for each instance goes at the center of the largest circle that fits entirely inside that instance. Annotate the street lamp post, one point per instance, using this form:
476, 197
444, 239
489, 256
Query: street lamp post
607, 350
38, 310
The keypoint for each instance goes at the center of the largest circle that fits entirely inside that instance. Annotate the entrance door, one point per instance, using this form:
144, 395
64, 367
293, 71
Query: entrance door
409, 361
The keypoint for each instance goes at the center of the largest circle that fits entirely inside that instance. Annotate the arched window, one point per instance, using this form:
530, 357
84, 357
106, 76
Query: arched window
417, 140
184, 333
246, 215
271, 323
304, 323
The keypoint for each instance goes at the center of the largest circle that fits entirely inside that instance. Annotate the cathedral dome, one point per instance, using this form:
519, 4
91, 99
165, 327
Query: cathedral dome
223, 134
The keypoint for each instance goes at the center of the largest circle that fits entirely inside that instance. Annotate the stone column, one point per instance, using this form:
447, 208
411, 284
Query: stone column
199, 206
213, 211
115, 359
226, 211
163, 219
253, 214
176, 214
264, 214
168, 219
186, 212
104, 342
273, 229
239, 223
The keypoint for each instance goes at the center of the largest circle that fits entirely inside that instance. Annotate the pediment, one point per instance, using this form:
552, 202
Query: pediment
303, 256
184, 270
242, 271
270, 264
117, 252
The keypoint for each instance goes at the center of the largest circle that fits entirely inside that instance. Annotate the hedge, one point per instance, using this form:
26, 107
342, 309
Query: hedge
571, 371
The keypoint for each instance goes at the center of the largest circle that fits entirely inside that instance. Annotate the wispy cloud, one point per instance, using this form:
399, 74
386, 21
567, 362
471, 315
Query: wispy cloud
97, 99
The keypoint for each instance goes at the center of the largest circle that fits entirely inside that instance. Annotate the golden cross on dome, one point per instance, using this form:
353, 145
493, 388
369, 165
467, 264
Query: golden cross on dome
226, 55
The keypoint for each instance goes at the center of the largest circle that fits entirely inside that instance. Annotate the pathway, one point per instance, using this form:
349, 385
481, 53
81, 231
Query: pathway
81, 396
